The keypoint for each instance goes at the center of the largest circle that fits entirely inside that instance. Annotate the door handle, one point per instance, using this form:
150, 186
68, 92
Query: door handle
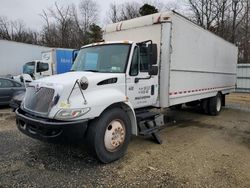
152, 89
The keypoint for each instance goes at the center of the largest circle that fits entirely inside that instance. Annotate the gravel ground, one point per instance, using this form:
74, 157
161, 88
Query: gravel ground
197, 151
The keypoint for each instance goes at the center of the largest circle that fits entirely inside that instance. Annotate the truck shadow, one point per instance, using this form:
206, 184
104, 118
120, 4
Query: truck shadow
174, 116
61, 157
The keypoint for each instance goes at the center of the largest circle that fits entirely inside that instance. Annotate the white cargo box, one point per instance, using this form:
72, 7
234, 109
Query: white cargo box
193, 62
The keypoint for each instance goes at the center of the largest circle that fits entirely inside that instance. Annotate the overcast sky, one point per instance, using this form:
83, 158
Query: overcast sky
29, 10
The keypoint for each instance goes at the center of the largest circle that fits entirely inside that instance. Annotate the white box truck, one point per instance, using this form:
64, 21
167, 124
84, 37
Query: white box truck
156, 61
53, 61
13, 55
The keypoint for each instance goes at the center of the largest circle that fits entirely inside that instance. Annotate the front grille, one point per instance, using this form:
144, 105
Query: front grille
38, 100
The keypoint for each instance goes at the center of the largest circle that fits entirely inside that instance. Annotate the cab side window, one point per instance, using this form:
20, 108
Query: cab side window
134, 69
144, 59
42, 67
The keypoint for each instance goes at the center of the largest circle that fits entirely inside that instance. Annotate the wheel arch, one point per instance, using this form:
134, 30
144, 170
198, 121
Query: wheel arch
127, 107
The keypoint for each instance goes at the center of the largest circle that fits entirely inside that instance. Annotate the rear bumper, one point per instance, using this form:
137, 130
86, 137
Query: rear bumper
48, 130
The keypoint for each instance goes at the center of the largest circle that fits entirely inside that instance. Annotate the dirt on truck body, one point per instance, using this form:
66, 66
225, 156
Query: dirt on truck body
197, 151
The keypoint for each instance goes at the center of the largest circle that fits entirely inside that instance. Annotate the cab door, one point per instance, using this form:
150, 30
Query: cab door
42, 70
142, 89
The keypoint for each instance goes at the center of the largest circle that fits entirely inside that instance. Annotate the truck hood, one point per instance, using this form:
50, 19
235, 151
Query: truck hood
69, 78
100, 87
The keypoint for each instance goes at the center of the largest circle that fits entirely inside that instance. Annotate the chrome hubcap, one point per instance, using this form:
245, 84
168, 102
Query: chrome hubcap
114, 135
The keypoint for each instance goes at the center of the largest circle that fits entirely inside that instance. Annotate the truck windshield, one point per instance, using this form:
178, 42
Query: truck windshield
108, 58
29, 68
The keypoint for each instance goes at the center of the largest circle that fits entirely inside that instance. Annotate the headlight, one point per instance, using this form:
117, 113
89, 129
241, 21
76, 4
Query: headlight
71, 113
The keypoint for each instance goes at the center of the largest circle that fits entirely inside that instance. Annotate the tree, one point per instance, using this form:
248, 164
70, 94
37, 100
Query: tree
205, 12
124, 11
65, 27
113, 13
222, 7
244, 41
17, 31
237, 7
129, 10
147, 9
89, 13
95, 33
58, 33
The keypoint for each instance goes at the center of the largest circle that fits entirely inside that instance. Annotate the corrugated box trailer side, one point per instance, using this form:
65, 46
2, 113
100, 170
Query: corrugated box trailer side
201, 63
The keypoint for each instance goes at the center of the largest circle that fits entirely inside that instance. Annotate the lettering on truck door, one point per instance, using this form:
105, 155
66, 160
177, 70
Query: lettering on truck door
141, 89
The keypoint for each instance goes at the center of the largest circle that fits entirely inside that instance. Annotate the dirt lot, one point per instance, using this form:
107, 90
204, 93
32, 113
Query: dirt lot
198, 151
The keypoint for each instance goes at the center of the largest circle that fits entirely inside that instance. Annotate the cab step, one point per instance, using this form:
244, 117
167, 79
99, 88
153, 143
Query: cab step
149, 124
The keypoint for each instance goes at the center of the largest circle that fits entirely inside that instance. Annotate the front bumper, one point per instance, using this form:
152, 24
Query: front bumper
48, 130
14, 104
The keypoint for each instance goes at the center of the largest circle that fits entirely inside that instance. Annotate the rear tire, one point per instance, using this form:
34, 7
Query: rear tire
108, 136
204, 105
215, 105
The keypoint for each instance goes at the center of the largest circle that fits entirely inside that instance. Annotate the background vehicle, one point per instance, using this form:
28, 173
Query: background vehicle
156, 61
16, 100
9, 88
54, 61
15, 54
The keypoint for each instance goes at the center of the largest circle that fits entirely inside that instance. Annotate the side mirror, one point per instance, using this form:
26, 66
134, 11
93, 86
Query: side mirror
153, 53
153, 70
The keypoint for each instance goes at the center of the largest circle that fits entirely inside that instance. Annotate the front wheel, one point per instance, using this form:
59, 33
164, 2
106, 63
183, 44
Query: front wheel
108, 136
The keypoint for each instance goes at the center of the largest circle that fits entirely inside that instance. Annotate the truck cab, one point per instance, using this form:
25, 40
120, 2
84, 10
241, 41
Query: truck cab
37, 69
96, 100
53, 61
131, 62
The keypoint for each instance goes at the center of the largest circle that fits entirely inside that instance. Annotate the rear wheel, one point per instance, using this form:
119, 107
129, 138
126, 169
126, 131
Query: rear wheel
204, 105
109, 135
215, 104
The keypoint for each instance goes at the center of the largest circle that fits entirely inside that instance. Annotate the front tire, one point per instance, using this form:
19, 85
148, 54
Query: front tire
108, 136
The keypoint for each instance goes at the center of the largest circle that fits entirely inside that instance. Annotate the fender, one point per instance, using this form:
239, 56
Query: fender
132, 116
105, 98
